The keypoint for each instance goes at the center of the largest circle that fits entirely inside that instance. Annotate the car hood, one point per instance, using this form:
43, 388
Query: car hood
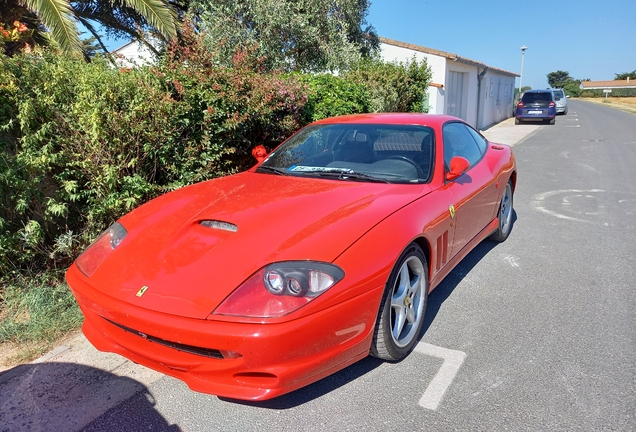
189, 268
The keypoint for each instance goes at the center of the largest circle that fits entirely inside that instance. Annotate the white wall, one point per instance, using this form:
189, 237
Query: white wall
133, 54
497, 92
497, 87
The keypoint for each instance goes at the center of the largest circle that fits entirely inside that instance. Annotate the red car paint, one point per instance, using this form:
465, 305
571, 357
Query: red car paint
153, 298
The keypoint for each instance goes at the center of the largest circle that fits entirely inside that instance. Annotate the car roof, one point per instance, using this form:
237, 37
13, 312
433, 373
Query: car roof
539, 91
433, 120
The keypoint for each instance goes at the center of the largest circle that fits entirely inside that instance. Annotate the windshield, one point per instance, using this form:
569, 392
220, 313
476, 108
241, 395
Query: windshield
356, 152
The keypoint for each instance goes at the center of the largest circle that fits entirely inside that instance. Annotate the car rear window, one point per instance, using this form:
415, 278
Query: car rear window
558, 93
537, 97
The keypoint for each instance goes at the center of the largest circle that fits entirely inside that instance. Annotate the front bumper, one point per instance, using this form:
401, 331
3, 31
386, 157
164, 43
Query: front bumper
239, 360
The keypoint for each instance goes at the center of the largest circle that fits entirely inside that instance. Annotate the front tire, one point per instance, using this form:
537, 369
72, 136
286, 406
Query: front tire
403, 306
504, 216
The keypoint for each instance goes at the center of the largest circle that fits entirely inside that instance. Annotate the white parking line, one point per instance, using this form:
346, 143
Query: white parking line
445, 376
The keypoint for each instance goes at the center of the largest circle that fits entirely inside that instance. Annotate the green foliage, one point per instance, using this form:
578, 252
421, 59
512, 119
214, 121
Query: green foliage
393, 86
572, 89
294, 35
625, 75
331, 95
559, 79
83, 144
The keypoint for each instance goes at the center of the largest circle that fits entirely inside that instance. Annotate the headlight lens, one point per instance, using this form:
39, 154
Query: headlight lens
97, 252
280, 289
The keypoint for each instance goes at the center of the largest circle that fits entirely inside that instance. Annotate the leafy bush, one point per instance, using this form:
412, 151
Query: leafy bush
84, 143
331, 95
393, 86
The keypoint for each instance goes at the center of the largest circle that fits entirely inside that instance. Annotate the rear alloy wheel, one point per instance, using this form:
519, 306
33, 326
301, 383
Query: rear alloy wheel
403, 307
505, 215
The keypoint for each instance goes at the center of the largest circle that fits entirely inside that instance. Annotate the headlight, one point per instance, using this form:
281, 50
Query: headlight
97, 252
279, 289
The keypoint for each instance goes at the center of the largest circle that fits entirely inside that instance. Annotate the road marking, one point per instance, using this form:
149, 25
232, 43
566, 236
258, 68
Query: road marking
539, 201
444, 377
512, 260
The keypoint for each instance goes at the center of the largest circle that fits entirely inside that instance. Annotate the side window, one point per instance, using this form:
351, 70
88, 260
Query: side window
482, 144
458, 141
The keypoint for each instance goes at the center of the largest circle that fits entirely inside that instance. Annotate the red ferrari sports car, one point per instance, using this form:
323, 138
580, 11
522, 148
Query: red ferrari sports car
256, 284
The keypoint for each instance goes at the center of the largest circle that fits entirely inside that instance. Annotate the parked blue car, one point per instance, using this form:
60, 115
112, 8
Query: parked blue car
536, 105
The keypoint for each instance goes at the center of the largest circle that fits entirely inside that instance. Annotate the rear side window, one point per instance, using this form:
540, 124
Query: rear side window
537, 97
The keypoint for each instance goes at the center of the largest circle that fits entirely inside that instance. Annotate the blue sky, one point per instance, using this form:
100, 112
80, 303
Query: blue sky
588, 38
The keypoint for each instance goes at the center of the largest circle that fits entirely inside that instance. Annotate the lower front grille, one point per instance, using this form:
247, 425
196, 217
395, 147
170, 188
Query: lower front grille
206, 352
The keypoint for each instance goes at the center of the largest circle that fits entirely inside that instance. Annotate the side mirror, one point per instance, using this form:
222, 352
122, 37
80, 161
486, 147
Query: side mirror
259, 152
458, 166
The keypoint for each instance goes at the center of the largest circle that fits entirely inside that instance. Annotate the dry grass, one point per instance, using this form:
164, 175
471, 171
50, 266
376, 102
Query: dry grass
627, 104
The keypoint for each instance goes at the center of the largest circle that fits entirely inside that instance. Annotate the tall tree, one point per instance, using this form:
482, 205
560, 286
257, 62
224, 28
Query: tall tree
559, 79
57, 19
294, 35
625, 75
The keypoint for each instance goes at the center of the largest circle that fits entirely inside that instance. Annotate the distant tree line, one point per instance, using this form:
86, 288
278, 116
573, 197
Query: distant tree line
572, 87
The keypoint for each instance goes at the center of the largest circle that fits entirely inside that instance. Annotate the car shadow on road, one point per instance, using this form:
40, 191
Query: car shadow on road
71, 397
450, 282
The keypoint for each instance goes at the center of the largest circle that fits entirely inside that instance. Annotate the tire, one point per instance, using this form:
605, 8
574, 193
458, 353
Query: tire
552, 121
403, 307
517, 121
504, 215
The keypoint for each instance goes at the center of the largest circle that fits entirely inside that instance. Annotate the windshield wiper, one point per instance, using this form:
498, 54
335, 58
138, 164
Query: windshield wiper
272, 170
342, 174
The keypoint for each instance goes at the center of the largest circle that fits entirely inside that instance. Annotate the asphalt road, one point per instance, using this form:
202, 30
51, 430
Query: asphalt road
537, 333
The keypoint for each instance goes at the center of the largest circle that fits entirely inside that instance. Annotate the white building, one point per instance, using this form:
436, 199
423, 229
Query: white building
134, 53
477, 93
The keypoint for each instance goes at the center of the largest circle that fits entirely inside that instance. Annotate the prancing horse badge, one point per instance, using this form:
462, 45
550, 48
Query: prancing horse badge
142, 291
451, 210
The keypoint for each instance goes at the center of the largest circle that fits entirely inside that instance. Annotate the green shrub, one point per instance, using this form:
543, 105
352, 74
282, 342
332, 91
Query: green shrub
393, 86
331, 95
84, 143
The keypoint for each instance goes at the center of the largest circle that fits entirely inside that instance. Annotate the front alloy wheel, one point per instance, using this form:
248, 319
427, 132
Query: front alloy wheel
403, 307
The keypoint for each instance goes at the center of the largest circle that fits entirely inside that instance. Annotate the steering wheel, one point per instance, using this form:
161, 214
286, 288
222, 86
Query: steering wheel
420, 172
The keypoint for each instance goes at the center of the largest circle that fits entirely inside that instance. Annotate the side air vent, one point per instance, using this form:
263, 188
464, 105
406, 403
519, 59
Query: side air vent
225, 226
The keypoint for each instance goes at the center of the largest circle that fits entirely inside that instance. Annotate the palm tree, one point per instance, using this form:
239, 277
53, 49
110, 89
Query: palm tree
59, 18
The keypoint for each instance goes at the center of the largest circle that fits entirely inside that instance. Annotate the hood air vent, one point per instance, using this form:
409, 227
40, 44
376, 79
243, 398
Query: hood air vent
225, 226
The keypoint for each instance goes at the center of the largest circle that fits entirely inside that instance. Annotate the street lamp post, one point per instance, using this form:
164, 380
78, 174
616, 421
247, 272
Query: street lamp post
523, 51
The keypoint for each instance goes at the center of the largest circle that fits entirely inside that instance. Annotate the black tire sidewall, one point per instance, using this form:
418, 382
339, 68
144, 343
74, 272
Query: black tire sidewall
383, 345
